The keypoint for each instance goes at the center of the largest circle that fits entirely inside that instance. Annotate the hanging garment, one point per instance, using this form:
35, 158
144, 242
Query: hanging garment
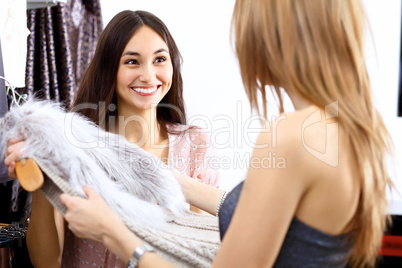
61, 45
72, 152
13, 35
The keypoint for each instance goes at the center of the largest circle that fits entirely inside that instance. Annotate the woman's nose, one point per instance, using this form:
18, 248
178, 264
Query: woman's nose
147, 73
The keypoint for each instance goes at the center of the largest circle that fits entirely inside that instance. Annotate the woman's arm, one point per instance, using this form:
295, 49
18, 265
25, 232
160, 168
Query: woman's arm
44, 245
268, 202
198, 194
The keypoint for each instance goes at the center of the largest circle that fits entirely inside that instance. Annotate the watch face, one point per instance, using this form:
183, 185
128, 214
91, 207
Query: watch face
137, 255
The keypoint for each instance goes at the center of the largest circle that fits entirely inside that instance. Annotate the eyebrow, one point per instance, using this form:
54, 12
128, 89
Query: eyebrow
133, 53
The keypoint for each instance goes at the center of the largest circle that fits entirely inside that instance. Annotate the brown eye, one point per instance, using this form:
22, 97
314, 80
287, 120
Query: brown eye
131, 62
160, 59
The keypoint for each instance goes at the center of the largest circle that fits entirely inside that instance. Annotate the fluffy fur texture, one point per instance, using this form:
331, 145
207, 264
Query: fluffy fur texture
137, 186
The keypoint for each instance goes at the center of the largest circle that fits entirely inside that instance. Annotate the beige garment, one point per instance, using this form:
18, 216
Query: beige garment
189, 241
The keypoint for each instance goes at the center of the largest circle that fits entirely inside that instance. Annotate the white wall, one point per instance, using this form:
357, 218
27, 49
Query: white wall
383, 65
214, 95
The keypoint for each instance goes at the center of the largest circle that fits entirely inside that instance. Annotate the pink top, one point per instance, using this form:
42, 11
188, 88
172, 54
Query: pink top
190, 153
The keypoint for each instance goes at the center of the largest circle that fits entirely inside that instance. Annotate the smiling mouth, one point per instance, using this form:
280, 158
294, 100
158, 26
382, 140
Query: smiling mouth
148, 91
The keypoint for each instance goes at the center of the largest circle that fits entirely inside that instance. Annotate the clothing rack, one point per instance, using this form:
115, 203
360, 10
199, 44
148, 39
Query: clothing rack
19, 98
34, 4
12, 95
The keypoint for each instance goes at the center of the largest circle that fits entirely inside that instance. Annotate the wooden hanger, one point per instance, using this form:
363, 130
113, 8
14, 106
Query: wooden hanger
29, 174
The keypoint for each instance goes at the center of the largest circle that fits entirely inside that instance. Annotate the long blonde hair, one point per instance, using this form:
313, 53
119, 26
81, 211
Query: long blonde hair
315, 48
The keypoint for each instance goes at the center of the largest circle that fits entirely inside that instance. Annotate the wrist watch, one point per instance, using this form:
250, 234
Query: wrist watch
137, 255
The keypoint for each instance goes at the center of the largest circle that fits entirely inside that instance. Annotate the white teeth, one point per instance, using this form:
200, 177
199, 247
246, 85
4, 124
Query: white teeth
145, 90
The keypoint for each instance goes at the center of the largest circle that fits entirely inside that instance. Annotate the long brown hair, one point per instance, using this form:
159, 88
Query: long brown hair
96, 98
315, 48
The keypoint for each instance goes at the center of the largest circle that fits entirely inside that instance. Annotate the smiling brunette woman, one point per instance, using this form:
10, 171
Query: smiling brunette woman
133, 87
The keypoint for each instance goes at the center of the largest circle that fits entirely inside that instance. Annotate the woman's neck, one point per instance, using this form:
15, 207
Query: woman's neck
143, 129
299, 103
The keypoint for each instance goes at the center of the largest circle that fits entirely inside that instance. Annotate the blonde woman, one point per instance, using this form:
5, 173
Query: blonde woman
327, 206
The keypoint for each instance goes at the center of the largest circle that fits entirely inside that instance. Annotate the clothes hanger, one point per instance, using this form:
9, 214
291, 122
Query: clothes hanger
28, 172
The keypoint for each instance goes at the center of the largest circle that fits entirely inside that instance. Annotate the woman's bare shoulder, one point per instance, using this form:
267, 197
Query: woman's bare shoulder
305, 137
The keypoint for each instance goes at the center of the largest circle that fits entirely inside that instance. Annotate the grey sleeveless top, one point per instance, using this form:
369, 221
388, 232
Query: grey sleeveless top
304, 246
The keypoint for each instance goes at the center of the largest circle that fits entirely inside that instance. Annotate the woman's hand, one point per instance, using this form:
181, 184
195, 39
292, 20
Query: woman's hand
89, 218
13, 153
93, 219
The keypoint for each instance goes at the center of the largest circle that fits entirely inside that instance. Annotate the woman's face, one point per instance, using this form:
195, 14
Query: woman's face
145, 72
